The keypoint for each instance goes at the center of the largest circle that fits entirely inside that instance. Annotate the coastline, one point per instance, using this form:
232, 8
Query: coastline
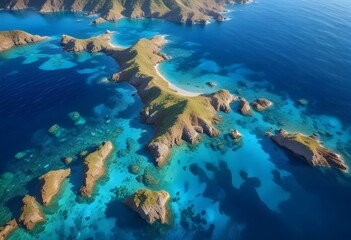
172, 86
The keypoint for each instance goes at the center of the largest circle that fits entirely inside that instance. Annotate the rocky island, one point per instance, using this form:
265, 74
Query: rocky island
261, 104
13, 38
51, 184
308, 148
94, 167
7, 229
176, 116
31, 213
183, 11
151, 205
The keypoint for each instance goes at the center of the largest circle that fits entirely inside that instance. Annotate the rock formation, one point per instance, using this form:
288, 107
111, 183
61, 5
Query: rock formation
99, 21
308, 148
177, 117
94, 167
51, 184
151, 205
7, 229
184, 11
94, 44
235, 134
261, 104
31, 213
244, 107
9, 39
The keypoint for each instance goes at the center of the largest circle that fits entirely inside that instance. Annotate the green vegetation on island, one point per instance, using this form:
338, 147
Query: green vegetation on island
308, 148
13, 38
184, 11
176, 116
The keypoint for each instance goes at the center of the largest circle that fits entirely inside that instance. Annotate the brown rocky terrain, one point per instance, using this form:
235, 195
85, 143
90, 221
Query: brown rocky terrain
51, 184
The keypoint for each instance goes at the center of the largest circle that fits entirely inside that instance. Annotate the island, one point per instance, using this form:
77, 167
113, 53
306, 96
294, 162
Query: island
151, 205
94, 167
176, 115
7, 229
31, 213
182, 11
261, 104
51, 184
308, 148
12, 38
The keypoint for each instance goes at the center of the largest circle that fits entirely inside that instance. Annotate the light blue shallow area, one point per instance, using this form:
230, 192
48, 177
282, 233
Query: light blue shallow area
280, 50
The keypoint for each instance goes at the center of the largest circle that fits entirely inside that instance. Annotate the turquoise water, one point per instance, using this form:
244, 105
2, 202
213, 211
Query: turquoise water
280, 50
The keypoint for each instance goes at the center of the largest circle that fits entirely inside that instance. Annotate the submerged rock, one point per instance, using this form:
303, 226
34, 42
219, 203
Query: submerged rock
151, 205
309, 149
244, 107
68, 160
211, 84
121, 192
51, 184
261, 104
83, 153
7, 229
302, 101
77, 118
20, 155
149, 180
134, 169
94, 167
55, 130
31, 213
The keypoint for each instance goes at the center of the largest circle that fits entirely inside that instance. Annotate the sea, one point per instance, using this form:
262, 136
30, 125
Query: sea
282, 50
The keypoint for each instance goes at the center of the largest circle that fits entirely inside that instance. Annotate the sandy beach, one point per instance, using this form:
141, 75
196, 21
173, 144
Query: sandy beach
177, 89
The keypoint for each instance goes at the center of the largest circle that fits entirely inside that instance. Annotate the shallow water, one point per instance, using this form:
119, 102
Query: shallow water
280, 50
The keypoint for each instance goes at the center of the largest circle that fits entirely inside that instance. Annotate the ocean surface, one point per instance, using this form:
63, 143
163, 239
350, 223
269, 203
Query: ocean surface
281, 50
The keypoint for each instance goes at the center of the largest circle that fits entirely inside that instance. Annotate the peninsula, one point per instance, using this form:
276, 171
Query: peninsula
176, 116
13, 38
183, 11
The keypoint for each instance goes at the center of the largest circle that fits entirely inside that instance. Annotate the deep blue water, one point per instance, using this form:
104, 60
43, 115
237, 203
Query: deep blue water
282, 50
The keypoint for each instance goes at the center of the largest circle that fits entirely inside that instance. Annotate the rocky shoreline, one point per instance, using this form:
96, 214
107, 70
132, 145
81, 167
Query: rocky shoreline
10, 39
308, 148
151, 205
183, 11
94, 167
51, 184
176, 117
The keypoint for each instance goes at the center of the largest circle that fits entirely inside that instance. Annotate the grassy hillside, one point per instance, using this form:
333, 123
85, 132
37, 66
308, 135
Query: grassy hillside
185, 11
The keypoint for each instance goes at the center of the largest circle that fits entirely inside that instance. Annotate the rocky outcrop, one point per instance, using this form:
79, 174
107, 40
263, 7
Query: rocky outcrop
183, 11
94, 167
9, 39
308, 148
98, 21
7, 229
176, 116
51, 184
31, 213
244, 107
235, 134
94, 44
151, 205
261, 104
